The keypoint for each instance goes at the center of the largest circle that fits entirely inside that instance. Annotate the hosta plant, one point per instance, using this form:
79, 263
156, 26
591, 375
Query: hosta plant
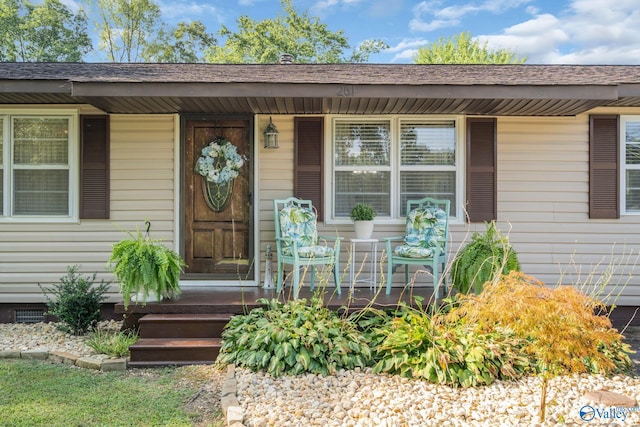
417, 345
293, 338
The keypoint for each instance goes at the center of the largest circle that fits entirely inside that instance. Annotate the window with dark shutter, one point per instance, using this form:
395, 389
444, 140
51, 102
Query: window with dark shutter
604, 166
481, 170
309, 165
94, 167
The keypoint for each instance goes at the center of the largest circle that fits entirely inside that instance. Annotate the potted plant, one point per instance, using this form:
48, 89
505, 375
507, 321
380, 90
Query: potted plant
146, 269
362, 216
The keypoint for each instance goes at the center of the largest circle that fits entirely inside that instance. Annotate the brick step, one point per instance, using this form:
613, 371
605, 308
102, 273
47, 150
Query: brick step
183, 325
172, 351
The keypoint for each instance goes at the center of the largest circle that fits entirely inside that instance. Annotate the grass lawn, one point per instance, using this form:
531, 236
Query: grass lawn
36, 393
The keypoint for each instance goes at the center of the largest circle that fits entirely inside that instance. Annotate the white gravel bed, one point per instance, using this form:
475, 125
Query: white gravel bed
46, 337
354, 398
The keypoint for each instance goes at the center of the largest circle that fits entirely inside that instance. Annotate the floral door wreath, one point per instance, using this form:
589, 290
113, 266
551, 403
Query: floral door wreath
219, 164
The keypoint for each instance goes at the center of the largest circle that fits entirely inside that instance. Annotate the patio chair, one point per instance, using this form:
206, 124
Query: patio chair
424, 243
298, 243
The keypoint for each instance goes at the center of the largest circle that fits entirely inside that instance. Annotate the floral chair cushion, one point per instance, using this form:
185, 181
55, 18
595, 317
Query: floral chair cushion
299, 224
425, 230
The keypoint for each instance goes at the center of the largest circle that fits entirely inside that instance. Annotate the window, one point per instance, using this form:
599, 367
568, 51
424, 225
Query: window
385, 162
630, 160
37, 166
427, 161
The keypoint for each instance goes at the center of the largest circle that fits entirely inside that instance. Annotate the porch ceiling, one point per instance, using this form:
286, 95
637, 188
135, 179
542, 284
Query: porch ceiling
296, 105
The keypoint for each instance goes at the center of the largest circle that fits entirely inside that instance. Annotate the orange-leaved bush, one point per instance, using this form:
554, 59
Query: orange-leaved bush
562, 325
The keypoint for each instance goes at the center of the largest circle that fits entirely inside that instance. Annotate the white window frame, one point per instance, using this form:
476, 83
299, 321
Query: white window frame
623, 163
395, 122
7, 117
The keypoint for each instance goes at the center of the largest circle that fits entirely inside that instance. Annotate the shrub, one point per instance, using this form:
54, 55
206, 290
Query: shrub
483, 259
293, 338
419, 346
114, 344
76, 301
563, 332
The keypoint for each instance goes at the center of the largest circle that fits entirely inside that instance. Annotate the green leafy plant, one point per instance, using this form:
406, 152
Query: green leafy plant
76, 301
362, 212
484, 258
293, 338
114, 344
143, 265
416, 345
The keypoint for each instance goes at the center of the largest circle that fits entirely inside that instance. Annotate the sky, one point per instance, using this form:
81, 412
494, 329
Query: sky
543, 31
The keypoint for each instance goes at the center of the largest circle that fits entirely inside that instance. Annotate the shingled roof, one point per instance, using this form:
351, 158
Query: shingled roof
323, 88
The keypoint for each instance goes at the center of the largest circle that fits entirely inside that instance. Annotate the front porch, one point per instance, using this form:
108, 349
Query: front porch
187, 330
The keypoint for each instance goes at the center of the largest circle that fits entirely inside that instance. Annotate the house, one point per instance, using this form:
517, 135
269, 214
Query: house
88, 150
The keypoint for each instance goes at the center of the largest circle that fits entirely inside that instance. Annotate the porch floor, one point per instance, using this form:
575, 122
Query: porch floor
237, 300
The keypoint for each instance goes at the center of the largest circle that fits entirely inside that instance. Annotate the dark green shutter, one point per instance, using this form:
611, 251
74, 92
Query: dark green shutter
94, 167
481, 188
604, 166
309, 161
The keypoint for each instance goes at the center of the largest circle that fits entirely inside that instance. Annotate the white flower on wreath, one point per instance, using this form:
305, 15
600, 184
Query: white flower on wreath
219, 161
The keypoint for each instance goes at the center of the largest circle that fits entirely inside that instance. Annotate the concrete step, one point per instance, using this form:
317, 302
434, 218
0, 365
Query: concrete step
183, 325
174, 351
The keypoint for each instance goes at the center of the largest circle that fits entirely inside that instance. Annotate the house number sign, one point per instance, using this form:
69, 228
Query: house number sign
346, 91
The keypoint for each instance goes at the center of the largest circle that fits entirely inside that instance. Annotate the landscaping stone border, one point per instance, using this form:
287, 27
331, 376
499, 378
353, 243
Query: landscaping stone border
229, 399
104, 365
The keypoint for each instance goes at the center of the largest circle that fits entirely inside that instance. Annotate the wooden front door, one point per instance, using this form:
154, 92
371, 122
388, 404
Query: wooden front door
217, 242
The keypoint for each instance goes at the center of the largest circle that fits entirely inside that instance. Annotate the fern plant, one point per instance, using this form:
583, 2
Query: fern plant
484, 258
143, 265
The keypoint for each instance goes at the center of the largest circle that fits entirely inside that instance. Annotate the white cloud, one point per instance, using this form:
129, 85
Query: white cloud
405, 56
419, 25
177, 11
407, 44
326, 7
429, 15
587, 32
405, 50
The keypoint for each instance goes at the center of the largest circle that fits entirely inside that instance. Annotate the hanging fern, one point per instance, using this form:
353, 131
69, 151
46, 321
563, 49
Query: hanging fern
145, 265
486, 256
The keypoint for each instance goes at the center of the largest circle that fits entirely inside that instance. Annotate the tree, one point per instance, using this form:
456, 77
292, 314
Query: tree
125, 27
48, 32
461, 49
303, 36
183, 43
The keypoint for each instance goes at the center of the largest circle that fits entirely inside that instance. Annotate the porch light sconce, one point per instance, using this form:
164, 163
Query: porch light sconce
271, 136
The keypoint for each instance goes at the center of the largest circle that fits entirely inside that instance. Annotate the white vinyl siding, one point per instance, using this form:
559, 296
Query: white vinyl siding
543, 207
142, 187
